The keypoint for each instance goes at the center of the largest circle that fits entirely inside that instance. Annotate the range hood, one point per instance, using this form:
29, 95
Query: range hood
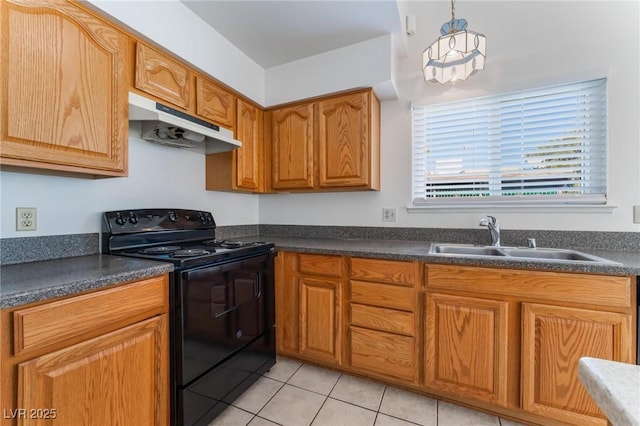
168, 126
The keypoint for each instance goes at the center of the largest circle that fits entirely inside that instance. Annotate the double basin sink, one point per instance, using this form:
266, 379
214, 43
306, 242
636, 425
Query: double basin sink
517, 253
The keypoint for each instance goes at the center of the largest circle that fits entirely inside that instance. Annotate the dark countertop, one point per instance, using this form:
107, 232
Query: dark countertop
37, 281
628, 262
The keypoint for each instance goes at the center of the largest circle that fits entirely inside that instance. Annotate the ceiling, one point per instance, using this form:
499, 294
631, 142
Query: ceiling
273, 33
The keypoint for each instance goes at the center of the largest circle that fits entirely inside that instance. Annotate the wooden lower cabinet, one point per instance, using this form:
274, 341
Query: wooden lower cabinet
466, 347
88, 380
554, 338
505, 341
309, 307
99, 358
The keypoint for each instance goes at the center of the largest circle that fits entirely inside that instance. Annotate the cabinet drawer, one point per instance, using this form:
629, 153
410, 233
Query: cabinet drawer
161, 76
105, 310
385, 354
383, 295
330, 266
385, 271
598, 290
382, 319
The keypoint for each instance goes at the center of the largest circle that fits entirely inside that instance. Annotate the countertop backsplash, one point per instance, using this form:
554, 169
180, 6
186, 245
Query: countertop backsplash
31, 249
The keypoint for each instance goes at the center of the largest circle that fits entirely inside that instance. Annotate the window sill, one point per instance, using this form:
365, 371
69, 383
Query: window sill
522, 208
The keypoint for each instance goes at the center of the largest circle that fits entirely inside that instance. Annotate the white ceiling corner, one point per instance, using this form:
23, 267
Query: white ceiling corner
276, 32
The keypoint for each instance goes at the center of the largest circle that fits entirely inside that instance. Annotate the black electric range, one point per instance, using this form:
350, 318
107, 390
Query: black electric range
222, 306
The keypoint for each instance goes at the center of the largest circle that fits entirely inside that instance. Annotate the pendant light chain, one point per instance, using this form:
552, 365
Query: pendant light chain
453, 10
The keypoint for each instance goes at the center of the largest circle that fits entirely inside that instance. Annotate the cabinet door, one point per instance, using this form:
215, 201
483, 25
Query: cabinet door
466, 347
343, 141
161, 76
320, 319
118, 378
248, 157
554, 338
215, 103
292, 147
63, 97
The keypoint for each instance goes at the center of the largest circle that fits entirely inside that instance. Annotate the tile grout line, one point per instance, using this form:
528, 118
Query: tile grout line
325, 399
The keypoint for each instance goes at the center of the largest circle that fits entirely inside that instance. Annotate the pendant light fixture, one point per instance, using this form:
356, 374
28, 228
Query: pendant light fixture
456, 55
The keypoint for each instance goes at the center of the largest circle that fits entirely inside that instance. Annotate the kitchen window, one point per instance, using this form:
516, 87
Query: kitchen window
532, 147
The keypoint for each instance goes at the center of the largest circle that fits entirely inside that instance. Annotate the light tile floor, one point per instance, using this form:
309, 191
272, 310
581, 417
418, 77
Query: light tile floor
297, 394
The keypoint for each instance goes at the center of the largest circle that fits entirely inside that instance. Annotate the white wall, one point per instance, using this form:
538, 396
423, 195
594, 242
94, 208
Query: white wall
563, 41
365, 64
159, 176
530, 44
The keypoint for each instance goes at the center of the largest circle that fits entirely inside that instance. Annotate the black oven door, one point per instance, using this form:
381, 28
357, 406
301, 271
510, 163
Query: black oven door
223, 309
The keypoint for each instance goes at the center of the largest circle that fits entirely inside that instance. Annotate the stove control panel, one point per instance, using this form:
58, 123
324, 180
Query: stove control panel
149, 220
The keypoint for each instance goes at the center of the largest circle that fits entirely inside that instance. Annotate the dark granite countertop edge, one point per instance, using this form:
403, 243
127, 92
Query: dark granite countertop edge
42, 293
419, 251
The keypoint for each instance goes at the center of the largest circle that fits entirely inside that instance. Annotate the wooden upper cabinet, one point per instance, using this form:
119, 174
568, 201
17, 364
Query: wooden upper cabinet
249, 157
63, 97
214, 103
292, 138
243, 168
161, 76
343, 141
554, 339
331, 144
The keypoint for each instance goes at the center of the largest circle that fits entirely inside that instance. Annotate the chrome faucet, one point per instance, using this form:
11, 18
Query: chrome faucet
494, 228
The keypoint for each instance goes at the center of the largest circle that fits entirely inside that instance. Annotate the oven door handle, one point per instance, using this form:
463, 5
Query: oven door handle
219, 314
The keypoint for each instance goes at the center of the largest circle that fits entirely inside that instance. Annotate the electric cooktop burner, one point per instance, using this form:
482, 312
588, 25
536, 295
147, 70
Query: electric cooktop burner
229, 244
160, 250
191, 252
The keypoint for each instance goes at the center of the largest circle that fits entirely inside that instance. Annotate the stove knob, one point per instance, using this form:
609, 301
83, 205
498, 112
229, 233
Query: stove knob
133, 219
119, 219
173, 217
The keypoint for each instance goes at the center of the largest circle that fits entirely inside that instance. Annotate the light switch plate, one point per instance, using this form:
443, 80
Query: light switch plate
636, 214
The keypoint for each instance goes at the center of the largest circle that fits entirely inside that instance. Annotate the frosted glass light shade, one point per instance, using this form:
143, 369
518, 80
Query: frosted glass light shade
454, 56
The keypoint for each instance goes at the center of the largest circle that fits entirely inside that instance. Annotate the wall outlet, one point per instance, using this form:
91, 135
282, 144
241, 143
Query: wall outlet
389, 215
636, 214
26, 219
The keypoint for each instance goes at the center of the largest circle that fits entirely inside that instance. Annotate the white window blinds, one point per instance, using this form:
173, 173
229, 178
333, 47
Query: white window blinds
545, 145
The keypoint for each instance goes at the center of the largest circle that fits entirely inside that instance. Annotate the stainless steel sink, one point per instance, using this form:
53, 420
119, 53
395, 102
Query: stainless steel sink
517, 253
467, 250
